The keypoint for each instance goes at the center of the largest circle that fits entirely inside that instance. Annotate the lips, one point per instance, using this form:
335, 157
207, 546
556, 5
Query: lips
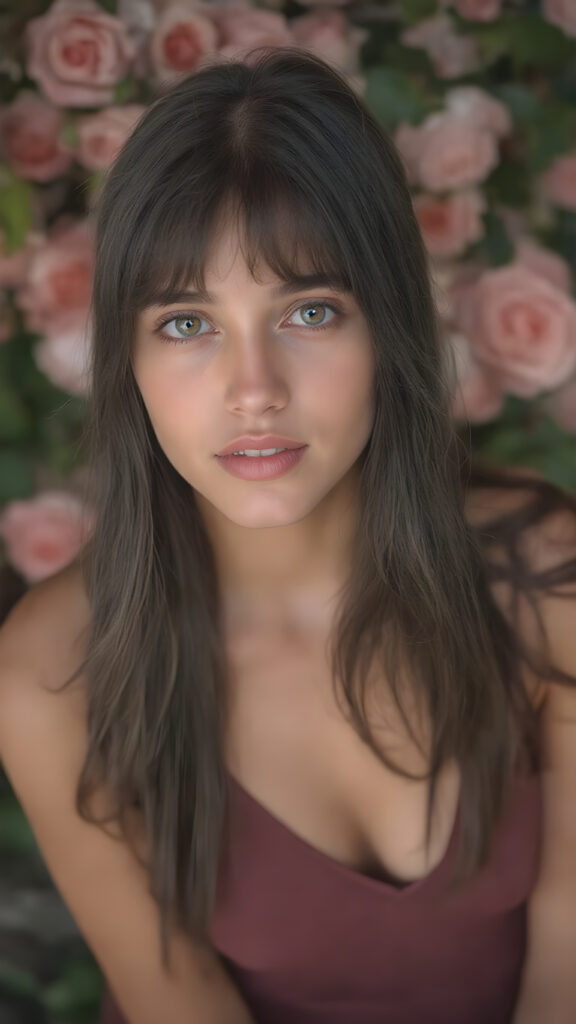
251, 443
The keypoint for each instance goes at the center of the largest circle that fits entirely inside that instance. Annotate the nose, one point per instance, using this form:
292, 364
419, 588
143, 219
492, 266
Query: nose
256, 380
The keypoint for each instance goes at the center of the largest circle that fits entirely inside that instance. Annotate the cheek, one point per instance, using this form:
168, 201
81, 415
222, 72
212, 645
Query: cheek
344, 392
172, 403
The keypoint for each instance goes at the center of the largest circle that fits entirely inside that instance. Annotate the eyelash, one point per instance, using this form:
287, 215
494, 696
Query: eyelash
164, 321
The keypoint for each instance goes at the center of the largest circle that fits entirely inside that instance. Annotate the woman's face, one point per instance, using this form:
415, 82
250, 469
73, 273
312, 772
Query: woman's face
249, 359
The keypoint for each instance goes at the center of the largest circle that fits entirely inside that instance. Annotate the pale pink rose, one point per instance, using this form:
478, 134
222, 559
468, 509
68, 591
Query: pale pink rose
243, 27
331, 36
558, 184
45, 533
476, 394
561, 405
475, 104
561, 13
183, 37
14, 266
521, 327
102, 135
478, 10
451, 54
30, 130
58, 286
64, 356
451, 283
454, 153
544, 262
450, 225
77, 53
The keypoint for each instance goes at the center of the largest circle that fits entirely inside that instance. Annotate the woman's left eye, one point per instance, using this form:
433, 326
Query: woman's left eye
314, 313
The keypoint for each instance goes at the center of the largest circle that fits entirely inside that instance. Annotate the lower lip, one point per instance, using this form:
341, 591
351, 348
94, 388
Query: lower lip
261, 467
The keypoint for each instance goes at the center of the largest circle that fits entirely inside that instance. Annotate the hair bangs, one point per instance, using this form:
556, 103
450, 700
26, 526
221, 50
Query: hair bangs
278, 228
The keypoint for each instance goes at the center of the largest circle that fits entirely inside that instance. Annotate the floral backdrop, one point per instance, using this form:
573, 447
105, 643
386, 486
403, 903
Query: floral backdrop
480, 98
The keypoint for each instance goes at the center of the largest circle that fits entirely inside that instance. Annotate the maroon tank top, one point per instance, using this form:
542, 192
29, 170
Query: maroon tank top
310, 941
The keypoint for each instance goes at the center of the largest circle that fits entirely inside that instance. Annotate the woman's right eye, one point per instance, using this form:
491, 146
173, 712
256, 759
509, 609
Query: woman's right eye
186, 326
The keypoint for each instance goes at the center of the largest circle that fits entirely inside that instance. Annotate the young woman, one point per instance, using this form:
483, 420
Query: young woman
314, 758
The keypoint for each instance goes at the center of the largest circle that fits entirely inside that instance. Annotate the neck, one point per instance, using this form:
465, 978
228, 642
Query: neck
284, 576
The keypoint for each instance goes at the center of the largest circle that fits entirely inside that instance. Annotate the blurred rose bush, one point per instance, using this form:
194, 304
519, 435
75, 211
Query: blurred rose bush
480, 98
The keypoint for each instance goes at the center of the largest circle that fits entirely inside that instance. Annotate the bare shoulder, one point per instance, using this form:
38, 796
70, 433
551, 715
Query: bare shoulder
43, 638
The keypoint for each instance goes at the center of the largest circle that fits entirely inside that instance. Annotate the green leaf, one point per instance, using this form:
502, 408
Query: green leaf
79, 986
15, 419
528, 40
495, 245
526, 435
394, 97
69, 133
509, 184
21, 983
125, 91
17, 477
15, 209
492, 40
16, 836
522, 102
413, 11
550, 137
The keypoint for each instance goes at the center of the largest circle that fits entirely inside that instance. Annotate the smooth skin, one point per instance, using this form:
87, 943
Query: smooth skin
282, 550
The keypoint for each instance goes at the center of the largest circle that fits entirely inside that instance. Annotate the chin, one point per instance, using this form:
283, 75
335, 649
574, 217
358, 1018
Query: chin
261, 514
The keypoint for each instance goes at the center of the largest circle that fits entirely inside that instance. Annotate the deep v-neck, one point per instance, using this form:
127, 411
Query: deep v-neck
398, 891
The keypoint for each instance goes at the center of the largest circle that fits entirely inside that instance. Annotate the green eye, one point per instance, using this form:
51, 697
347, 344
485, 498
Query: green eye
187, 326
317, 313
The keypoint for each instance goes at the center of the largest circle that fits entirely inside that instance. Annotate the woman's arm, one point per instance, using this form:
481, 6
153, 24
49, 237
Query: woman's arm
42, 745
548, 989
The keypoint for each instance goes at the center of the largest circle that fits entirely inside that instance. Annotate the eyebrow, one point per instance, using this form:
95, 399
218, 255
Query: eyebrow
166, 296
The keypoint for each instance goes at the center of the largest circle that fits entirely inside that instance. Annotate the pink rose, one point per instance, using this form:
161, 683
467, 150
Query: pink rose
242, 28
478, 10
183, 36
331, 36
14, 266
561, 13
478, 106
522, 327
447, 152
558, 184
102, 135
451, 54
44, 534
476, 394
30, 129
561, 405
77, 53
452, 283
58, 286
450, 225
64, 356
544, 262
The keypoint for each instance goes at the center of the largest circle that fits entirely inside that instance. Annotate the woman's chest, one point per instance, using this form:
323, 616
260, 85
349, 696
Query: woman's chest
290, 745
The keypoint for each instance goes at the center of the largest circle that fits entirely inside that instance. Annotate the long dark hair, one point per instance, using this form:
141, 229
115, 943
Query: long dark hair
308, 174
